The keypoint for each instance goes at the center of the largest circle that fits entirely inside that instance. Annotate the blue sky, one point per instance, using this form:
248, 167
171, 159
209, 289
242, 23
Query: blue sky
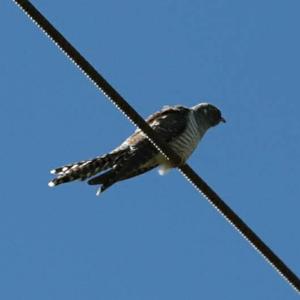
151, 237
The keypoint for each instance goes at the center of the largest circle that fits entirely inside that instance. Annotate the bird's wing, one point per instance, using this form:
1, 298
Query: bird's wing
168, 123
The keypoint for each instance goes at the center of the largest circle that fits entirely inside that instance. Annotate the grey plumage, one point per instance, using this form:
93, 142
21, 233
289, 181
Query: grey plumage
182, 128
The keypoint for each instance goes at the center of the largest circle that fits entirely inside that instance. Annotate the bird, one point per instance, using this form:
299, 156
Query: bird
180, 127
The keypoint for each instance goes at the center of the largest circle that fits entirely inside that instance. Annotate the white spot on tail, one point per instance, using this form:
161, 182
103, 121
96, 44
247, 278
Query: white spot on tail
51, 184
98, 192
53, 171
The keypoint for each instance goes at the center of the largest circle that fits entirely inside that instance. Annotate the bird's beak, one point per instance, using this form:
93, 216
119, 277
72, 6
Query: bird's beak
223, 120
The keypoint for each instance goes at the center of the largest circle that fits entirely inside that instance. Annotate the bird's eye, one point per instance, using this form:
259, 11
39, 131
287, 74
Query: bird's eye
205, 110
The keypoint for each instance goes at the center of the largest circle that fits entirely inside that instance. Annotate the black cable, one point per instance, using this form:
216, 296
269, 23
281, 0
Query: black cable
134, 117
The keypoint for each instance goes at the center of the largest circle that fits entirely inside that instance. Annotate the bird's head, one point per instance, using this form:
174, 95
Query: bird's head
205, 112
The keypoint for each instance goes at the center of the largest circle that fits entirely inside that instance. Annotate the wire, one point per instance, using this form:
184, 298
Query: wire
90, 72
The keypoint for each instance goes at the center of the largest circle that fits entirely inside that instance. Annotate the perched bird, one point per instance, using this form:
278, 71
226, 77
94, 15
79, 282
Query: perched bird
180, 127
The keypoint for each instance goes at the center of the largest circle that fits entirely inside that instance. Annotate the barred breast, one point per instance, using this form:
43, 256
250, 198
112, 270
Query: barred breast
185, 144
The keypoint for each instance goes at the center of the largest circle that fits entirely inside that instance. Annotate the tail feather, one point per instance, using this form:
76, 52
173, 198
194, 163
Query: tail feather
105, 180
119, 172
63, 169
85, 169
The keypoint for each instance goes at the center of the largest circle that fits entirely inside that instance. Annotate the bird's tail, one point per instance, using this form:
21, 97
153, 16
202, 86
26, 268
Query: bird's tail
86, 168
106, 180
